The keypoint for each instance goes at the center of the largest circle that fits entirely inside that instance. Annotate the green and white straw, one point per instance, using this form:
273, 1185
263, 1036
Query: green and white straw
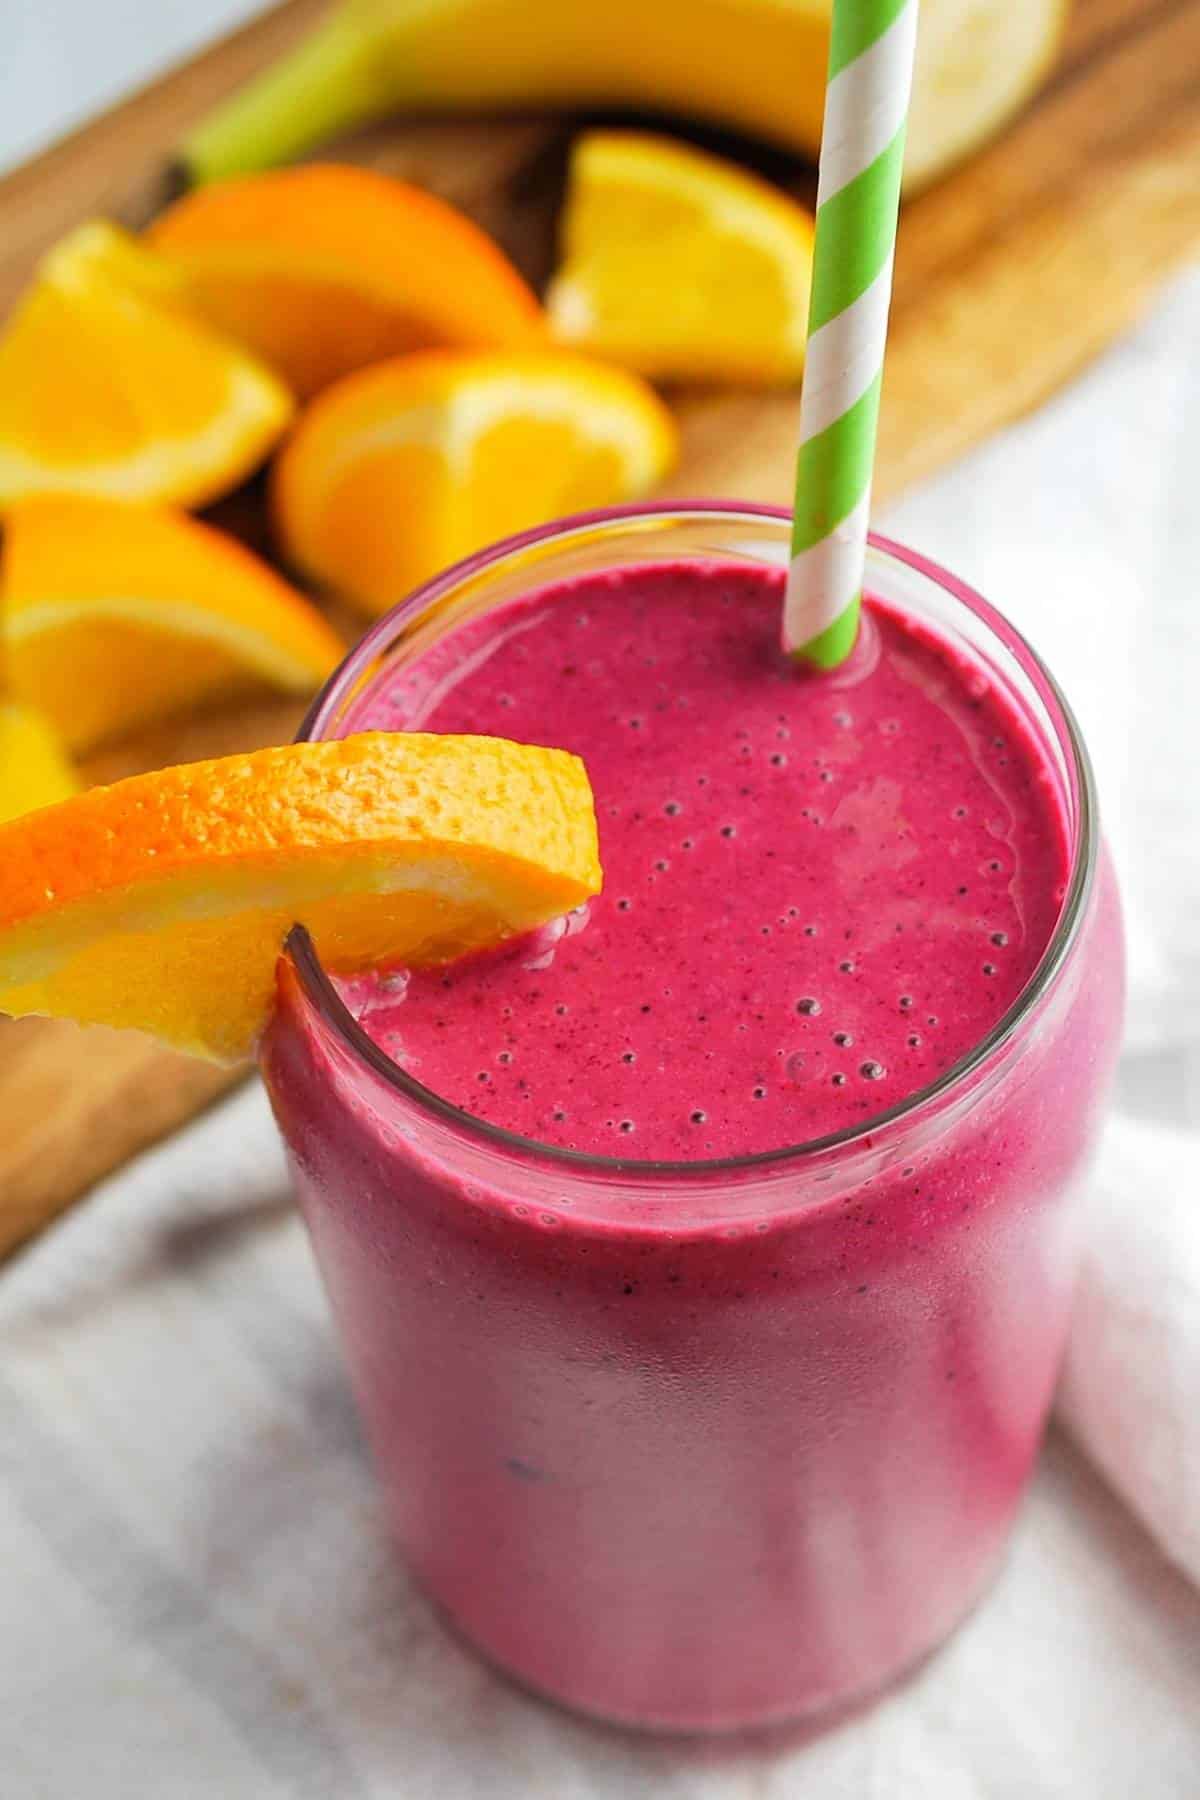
858, 198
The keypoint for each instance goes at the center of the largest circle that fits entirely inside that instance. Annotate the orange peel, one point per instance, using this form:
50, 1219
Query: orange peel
327, 268
161, 903
115, 617
111, 384
404, 468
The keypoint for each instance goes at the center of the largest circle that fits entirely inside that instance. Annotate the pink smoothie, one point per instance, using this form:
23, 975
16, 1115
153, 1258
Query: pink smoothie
817, 896
714, 1447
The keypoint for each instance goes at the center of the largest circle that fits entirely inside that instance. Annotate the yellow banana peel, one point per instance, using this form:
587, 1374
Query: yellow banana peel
757, 66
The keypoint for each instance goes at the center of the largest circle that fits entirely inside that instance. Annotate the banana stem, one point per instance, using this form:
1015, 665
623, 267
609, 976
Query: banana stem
327, 84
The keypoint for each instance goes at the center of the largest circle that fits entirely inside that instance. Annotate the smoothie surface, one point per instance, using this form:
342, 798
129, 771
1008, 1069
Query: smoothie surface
819, 892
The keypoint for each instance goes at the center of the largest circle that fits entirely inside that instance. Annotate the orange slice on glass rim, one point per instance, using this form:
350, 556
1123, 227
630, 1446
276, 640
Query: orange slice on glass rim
401, 469
162, 903
324, 269
115, 617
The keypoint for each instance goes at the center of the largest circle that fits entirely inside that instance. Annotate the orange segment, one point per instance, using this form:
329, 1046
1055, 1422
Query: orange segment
110, 385
162, 902
117, 616
403, 468
325, 269
34, 770
680, 265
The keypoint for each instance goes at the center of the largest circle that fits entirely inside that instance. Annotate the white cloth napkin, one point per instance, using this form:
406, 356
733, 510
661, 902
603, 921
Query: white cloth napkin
1130, 1389
198, 1597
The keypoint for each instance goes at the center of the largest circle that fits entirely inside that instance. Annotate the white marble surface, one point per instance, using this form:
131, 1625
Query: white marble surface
198, 1599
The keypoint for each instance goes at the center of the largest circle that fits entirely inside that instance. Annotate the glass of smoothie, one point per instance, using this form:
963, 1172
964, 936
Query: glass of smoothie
703, 1262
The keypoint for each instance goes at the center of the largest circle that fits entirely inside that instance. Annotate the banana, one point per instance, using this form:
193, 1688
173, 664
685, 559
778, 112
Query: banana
755, 65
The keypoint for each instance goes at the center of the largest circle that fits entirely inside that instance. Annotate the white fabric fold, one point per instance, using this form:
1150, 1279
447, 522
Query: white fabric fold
1130, 1391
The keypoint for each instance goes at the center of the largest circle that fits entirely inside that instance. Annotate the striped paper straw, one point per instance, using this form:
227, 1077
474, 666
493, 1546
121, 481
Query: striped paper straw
858, 198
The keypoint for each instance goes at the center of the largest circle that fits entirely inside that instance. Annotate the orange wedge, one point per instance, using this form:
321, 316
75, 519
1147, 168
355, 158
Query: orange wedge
110, 384
34, 769
403, 468
161, 903
680, 265
117, 616
322, 270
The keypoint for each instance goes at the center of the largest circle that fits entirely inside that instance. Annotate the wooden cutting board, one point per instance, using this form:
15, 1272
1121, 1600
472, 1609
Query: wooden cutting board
1011, 275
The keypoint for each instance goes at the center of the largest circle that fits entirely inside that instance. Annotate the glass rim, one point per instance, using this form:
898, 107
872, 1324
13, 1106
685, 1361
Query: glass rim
319, 989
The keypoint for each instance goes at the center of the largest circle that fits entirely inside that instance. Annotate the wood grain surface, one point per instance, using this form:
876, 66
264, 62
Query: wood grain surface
1011, 274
